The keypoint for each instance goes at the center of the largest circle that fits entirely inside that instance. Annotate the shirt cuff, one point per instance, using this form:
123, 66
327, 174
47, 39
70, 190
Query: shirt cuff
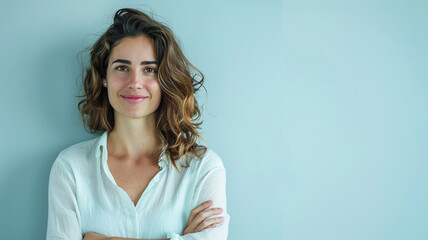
173, 236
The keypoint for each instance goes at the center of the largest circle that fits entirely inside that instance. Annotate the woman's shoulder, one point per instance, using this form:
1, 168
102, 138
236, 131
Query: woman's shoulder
208, 159
79, 152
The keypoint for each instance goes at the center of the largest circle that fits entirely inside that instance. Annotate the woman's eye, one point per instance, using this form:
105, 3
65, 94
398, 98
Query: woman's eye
150, 70
121, 68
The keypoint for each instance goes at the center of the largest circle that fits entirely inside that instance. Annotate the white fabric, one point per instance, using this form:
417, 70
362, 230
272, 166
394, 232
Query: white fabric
84, 197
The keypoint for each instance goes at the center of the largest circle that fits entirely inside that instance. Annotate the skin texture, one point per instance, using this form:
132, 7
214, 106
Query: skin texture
134, 77
132, 70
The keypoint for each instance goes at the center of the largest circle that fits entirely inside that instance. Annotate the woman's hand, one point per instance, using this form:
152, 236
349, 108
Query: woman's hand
95, 236
197, 219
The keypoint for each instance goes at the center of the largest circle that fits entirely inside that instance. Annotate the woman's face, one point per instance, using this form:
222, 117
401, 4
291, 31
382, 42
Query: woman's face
132, 83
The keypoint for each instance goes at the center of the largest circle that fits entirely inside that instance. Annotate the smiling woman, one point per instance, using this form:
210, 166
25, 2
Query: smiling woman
146, 176
133, 88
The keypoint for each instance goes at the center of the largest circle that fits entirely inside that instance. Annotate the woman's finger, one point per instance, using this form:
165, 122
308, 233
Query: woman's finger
209, 223
198, 209
201, 216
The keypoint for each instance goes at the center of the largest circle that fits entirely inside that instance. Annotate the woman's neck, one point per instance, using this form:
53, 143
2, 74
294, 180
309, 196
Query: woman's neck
134, 140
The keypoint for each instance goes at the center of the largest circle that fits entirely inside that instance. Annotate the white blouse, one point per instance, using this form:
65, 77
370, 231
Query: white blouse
84, 197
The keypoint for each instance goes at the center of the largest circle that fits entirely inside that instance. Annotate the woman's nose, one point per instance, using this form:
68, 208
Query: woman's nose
136, 81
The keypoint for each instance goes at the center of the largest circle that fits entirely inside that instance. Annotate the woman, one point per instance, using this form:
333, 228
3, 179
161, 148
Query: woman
145, 177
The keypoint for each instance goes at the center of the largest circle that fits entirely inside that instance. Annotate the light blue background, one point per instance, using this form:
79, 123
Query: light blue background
317, 108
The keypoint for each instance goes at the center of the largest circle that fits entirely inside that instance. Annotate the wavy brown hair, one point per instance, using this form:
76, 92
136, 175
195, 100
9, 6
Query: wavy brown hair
178, 115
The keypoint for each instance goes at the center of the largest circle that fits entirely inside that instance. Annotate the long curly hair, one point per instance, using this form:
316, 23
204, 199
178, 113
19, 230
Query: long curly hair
178, 115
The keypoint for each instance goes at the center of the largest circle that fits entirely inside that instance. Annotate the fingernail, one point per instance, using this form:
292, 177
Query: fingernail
219, 210
209, 202
222, 218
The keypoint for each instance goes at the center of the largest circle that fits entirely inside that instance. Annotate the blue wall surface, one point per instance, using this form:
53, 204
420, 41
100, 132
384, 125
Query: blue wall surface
319, 109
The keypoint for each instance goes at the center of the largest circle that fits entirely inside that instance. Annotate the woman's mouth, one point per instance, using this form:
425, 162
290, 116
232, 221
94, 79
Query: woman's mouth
133, 99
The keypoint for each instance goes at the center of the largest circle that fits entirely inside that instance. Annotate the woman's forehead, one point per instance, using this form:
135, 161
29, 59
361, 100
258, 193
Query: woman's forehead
134, 49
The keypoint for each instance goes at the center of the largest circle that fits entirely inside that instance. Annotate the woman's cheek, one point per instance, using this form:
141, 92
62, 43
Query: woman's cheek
119, 82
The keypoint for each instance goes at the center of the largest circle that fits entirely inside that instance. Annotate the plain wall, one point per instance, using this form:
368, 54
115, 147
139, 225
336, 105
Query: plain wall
317, 108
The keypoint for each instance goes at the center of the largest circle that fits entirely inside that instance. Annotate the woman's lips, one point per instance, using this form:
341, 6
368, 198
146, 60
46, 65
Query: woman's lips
133, 99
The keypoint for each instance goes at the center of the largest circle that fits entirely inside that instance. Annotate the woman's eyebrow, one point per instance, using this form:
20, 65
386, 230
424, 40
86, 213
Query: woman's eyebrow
148, 62
121, 61
129, 62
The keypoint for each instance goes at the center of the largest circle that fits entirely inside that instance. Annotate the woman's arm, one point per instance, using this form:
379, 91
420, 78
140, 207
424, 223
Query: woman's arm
197, 221
95, 236
211, 186
63, 209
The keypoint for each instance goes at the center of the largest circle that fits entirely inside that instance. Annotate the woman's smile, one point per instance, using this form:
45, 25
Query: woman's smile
133, 99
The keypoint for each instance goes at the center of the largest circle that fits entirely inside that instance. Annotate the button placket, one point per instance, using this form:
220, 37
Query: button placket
149, 188
137, 227
132, 223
